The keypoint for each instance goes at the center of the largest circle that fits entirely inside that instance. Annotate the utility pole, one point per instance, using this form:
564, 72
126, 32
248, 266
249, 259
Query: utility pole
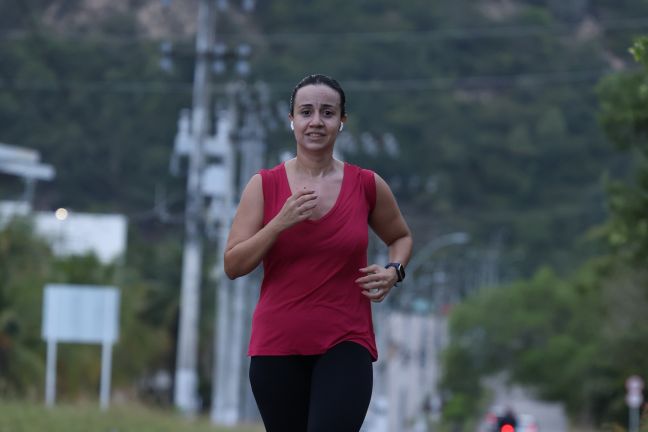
211, 171
224, 369
186, 375
235, 299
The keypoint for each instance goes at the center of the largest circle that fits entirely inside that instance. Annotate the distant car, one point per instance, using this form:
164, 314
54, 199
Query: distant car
525, 423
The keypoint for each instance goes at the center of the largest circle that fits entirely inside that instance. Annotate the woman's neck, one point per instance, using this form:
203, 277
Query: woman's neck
314, 167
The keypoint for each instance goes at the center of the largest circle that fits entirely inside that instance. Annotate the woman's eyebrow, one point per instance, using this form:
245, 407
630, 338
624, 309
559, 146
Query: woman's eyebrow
308, 105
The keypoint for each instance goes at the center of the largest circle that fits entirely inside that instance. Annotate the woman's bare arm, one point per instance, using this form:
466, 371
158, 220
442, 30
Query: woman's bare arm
248, 240
388, 223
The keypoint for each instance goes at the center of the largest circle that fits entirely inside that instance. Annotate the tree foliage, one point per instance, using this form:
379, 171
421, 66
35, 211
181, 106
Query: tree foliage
572, 340
625, 118
26, 266
109, 140
540, 330
493, 105
575, 339
494, 109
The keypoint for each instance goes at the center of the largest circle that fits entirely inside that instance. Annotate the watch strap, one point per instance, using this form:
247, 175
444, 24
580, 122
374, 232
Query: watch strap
400, 270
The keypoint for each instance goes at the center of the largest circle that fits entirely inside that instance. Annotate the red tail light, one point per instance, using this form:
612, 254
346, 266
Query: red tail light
507, 428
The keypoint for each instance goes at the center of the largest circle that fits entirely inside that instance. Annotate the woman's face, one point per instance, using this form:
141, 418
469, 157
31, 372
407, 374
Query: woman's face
317, 116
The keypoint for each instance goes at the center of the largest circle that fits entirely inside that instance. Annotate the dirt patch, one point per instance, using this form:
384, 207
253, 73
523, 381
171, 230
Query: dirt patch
155, 18
498, 10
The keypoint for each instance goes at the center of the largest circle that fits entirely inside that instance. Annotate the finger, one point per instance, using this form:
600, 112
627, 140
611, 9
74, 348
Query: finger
367, 283
307, 206
370, 269
365, 279
299, 197
377, 295
374, 285
374, 268
303, 192
371, 294
305, 200
300, 213
373, 277
383, 294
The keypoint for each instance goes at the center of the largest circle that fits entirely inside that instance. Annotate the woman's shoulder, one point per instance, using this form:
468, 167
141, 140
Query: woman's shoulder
366, 176
358, 170
365, 180
274, 172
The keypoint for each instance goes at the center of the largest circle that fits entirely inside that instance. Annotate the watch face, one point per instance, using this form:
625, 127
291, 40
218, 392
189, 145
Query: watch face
400, 270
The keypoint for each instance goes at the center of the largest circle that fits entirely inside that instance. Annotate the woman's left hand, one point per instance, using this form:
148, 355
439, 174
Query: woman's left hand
378, 281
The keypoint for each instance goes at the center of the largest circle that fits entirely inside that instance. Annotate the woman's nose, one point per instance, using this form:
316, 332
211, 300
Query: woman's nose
317, 120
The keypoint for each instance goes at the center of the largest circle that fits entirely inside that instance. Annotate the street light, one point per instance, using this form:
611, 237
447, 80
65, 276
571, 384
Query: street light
422, 257
408, 298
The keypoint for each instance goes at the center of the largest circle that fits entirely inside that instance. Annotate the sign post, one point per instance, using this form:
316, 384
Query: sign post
80, 314
634, 399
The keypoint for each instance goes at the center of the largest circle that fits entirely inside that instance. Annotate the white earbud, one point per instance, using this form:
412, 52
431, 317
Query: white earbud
341, 126
292, 125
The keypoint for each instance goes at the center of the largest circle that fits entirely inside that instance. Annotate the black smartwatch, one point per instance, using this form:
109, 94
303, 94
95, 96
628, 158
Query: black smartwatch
400, 270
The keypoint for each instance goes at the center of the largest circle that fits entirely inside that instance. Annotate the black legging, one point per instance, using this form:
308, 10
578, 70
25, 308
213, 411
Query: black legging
319, 393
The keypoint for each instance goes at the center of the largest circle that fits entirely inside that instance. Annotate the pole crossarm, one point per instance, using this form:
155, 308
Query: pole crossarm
423, 256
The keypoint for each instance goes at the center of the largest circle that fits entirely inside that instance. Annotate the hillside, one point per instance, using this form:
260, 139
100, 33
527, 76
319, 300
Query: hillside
492, 104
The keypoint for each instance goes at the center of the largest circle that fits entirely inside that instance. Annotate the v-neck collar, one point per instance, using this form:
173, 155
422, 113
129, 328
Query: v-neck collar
337, 200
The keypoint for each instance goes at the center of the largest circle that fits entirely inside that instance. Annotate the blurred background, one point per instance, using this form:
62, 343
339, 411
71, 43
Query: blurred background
513, 133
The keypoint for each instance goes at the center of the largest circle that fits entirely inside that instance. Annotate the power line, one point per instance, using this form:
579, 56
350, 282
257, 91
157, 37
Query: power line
136, 87
369, 86
490, 32
401, 36
480, 82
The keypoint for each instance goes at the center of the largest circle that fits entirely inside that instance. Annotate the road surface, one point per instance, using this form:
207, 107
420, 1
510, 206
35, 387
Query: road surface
550, 417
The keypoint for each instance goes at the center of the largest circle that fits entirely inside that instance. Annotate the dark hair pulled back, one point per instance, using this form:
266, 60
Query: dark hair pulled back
319, 79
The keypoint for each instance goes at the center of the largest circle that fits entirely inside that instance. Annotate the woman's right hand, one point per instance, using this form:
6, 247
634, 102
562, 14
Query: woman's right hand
297, 208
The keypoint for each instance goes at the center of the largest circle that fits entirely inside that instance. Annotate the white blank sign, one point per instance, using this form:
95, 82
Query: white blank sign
81, 313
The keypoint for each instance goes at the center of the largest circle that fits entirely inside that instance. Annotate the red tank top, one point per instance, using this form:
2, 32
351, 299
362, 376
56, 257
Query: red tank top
309, 300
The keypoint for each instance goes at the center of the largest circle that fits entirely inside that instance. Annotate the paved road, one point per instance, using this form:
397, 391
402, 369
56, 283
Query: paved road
550, 417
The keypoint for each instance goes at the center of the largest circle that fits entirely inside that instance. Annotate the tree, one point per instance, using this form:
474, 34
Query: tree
575, 339
624, 116
544, 332
27, 264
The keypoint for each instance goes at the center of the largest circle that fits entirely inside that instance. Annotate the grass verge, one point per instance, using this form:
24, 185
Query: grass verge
18, 416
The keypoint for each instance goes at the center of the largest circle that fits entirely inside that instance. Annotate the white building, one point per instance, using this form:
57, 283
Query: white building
407, 373
71, 233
